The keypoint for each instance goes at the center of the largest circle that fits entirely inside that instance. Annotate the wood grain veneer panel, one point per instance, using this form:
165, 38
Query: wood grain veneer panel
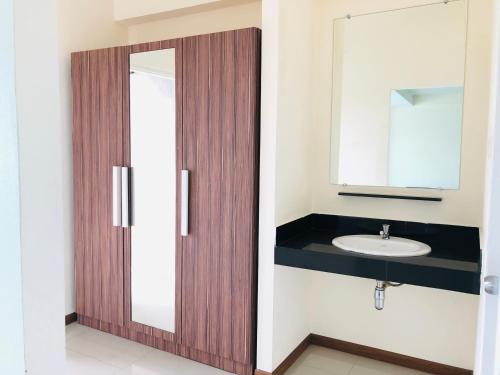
228, 187
110, 152
221, 72
195, 273
77, 65
97, 136
215, 201
246, 168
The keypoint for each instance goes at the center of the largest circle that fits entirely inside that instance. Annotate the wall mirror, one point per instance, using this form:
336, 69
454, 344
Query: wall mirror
153, 162
397, 97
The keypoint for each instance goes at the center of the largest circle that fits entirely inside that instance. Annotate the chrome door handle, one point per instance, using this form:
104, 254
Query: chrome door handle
117, 196
125, 172
184, 202
491, 285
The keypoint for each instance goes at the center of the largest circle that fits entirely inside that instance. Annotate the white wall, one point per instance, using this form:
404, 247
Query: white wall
45, 34
135, 12
127, 9
11, 314
294, 128
293, 166
291, 305
41, 184
421, 322
488, 337
83, 25
267, 181
238, 16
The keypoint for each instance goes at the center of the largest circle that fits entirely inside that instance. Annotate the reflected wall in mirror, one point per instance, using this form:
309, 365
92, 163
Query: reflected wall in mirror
153, 162
397, 97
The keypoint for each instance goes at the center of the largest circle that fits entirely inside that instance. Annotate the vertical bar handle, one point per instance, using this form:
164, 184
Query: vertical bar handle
184, 202
117, 196
125, 197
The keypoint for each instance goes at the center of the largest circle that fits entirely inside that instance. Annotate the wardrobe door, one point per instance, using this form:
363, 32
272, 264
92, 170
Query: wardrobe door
220, 122
97, 79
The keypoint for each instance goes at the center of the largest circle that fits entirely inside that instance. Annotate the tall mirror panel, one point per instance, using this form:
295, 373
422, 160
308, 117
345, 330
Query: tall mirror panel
153, 201
397, 98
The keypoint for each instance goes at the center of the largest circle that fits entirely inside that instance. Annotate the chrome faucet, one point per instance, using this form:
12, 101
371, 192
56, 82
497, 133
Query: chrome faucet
384, 233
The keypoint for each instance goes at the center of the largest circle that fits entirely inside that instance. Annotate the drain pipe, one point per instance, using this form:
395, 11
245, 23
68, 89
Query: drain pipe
379, 295
380, 292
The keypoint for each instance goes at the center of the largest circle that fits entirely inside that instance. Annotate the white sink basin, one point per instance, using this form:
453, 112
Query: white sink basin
375, 245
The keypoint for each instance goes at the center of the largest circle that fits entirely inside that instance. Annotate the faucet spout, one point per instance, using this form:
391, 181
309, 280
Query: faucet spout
384, 233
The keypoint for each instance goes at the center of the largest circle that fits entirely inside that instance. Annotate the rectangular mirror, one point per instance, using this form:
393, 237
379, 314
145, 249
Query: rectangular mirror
397, 97
153, 162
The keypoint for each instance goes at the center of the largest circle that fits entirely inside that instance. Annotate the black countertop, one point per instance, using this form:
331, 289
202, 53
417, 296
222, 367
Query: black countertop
453, 264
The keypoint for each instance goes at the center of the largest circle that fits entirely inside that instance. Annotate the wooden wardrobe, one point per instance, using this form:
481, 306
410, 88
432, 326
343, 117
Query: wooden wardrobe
216, 139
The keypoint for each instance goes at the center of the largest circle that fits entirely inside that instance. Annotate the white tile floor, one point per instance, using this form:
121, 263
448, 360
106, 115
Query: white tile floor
91, 352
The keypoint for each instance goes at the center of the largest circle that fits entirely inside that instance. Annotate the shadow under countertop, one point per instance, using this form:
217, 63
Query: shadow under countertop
453, 264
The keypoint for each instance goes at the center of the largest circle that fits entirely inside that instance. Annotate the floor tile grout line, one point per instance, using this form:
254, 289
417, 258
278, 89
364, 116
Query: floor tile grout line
352, 363
352, 367
147, 353
91, 334
95, 359
82, 331
146, 350
98, 333
309, 365
318, 368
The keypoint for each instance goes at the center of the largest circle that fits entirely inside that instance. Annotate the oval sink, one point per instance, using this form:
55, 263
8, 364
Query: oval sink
375, 245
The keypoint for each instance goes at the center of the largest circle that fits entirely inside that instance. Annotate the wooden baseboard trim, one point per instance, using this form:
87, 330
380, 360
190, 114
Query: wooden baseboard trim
388, 357
292, 357
70, 318
367, 352
290, 360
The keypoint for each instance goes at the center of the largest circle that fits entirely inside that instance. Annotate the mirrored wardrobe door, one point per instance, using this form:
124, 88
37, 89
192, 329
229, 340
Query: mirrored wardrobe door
155, 160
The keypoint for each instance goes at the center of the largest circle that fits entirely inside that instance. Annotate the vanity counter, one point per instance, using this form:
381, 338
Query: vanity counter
453, 264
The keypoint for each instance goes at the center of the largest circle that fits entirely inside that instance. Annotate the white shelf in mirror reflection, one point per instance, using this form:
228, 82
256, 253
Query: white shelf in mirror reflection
375, 245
